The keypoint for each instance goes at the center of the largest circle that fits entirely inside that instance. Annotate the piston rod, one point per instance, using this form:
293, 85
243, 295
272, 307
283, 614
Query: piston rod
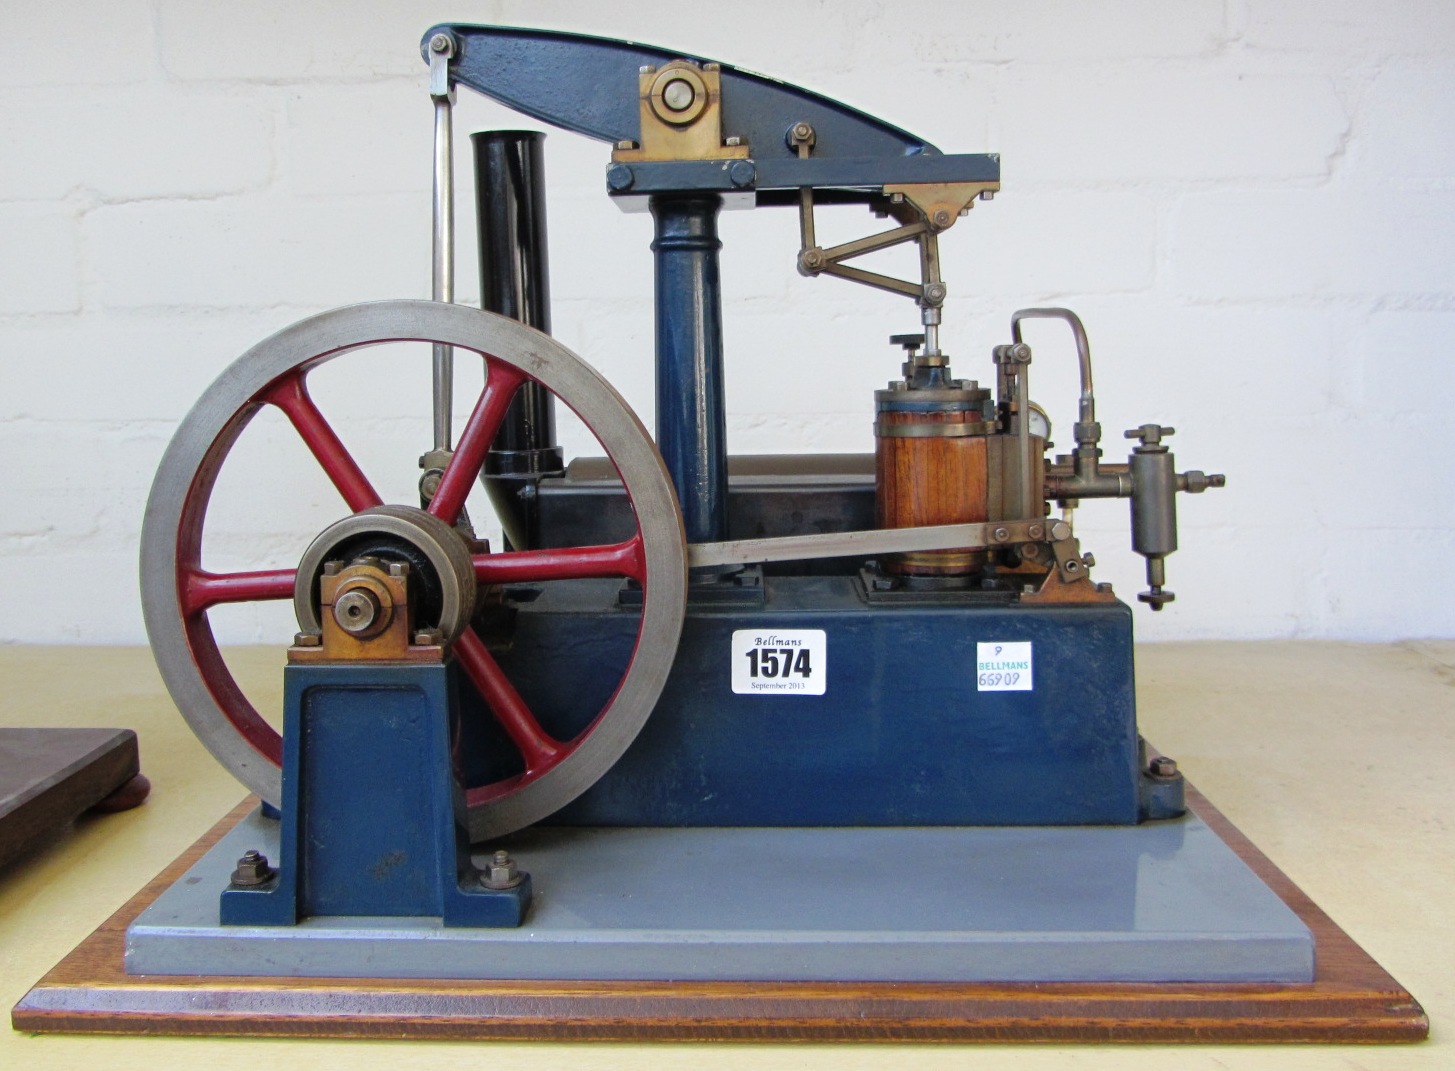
442, 288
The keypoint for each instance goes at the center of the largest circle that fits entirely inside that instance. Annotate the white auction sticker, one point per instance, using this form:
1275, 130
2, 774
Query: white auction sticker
1003, 667
787, 662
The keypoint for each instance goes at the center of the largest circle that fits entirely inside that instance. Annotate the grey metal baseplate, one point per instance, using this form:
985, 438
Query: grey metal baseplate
1165, 902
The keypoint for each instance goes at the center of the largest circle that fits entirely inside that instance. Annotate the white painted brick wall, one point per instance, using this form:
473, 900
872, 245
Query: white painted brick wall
1250, 202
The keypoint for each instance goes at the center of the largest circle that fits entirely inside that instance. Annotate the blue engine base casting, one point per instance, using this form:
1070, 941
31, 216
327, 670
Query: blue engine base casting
905, 732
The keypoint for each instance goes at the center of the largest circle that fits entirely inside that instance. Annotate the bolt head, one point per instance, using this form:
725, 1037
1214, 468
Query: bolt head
1162, 766
619, 177
742, 173
1000, 535
439, 43
802, 130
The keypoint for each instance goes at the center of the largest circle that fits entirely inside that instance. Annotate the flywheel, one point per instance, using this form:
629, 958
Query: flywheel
178, 592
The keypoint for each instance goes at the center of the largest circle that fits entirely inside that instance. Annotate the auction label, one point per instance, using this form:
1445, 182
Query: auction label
787, 662
1003, 667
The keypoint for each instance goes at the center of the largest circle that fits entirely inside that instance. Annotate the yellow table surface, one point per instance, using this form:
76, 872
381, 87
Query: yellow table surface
1335, 758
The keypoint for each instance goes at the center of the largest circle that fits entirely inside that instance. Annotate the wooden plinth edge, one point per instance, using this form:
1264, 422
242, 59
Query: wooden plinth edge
1352, 998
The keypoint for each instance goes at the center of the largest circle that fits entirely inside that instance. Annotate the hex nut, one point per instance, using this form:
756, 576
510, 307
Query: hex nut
501, 872
252, 870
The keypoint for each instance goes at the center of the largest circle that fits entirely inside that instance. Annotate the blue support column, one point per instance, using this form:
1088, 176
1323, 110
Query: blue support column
691, 426
372, 822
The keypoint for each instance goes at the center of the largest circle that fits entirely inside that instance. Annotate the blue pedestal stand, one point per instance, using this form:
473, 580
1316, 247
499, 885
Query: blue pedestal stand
372, 820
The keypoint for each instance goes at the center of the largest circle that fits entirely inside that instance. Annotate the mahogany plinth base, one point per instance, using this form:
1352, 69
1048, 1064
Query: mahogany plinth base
1352, 999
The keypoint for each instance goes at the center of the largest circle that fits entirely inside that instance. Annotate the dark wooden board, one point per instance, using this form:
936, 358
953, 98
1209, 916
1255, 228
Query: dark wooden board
1352, 998
49, 777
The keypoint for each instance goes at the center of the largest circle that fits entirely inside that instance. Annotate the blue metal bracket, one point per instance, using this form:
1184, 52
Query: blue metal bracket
349, 849
589, 85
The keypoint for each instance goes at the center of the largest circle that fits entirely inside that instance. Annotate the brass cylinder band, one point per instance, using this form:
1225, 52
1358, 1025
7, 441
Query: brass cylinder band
932, 431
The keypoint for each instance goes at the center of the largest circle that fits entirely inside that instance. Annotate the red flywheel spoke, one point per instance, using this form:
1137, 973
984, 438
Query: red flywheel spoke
577, 563
537, 747
202, 590
290, 394
459, 476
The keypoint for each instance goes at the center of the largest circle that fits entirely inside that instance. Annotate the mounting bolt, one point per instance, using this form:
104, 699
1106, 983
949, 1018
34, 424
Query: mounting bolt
307, 639
1163, 767
501, 872
428, 637
252, 869
398, 568
626, 144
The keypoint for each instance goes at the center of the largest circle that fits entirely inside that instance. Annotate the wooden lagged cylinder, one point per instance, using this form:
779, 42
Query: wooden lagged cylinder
931, 466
